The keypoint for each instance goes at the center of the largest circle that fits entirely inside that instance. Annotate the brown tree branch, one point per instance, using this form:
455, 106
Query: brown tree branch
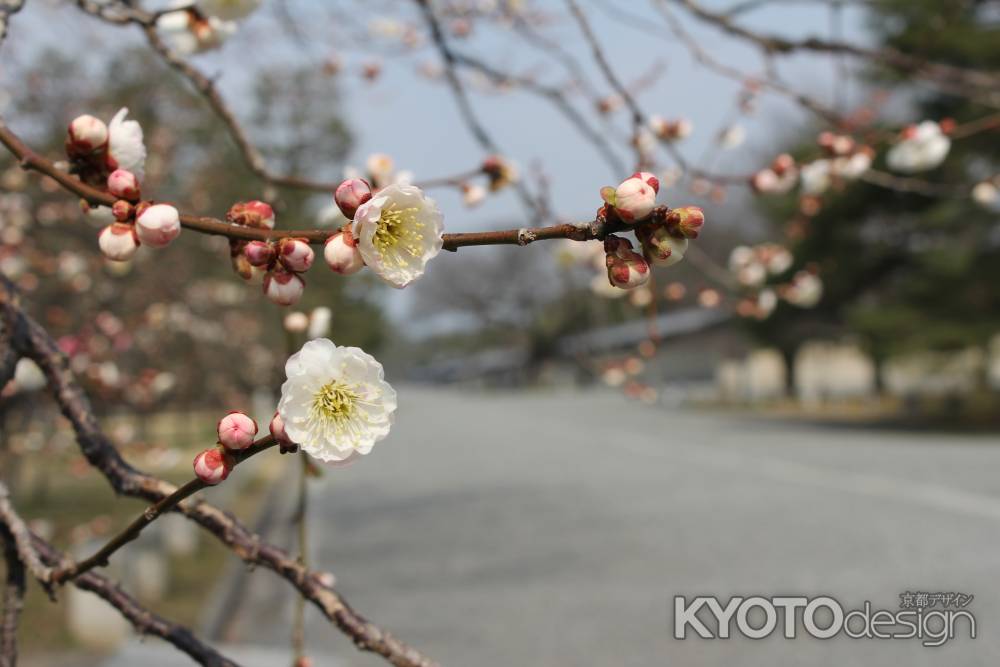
131, 532
13, 600
33, 341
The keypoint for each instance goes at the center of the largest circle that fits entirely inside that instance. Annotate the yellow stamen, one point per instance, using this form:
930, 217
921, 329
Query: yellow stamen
398, 234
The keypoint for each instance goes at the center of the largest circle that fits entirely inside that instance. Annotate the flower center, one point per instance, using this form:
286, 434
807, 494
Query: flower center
398, 232
334, 404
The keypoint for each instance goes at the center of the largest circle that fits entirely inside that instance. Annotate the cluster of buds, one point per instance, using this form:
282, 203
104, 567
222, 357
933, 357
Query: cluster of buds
236, 432
663, 233
778, 178
670, 130
665, 239
96, 149
282, 261
277, 428
136, 222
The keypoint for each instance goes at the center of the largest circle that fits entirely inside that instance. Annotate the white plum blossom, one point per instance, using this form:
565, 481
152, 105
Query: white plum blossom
335, 401
125, 147
922, 148
398, 231
342, 254
28, 376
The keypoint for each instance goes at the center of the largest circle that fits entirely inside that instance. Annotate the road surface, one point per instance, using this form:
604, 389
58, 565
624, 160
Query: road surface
556, 529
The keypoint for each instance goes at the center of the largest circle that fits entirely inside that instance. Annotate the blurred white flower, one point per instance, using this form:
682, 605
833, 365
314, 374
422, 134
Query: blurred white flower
186, 33
922, 148
28, 376
319, 322
732, 137
805, 290
335, 401
985, 194
815, 177
125, 147
398, 231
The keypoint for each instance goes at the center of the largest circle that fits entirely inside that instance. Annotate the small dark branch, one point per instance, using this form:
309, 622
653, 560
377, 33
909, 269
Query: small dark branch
13, 600
7, 9
478, 130
151, 514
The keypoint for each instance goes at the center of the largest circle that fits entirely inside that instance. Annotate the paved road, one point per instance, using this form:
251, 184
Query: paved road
555, 529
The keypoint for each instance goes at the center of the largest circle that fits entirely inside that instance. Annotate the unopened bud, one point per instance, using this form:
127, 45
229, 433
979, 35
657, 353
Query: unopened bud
124, 185
259, 253
212, 466
277, 428
236, 430
342, 254
626, 268
87, 134
242, 267
158, 225
473, 195
122, 210
252, 213
351, 194
295, 254
118, 242
686, 221
634, 199
782, 164
661, 247
499, 171
283, 288
649, 179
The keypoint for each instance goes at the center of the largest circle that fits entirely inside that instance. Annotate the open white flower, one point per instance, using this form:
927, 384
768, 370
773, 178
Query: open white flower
398, 231
188, 32
923, 147
335, 401
125, 146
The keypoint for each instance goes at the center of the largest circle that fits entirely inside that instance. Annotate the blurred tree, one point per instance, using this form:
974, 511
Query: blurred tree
906, 271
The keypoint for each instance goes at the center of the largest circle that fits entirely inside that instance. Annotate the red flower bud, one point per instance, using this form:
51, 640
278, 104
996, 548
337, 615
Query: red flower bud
351, 194
124, 185
686, 221
212, 466
259, 253
252, 213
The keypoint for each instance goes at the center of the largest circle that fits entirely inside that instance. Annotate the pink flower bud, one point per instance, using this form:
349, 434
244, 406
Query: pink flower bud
236, 430
259, 253
252, 213
626, 268
124, 185
158, 225
277, 428
634, 199
283, 288
342, 254
87, 134
649, 179
351, 194
212, 466
686, 221
118, 242
295, 254
122, 210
